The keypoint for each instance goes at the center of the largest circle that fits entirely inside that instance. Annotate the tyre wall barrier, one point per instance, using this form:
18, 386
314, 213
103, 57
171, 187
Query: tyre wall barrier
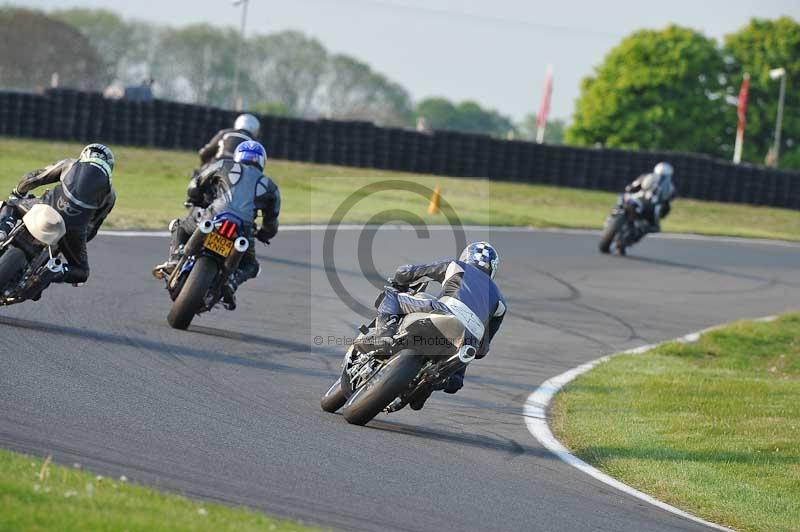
70, 115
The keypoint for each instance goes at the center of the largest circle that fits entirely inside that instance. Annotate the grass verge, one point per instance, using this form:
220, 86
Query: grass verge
152, 184
710, 427
37, 495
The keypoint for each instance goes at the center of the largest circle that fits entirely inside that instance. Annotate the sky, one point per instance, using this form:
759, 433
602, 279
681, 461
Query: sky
493, 52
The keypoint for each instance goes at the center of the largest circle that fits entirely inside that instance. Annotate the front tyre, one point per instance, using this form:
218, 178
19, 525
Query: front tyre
190, 298
612, 227
389, 382
12, 263
334, 398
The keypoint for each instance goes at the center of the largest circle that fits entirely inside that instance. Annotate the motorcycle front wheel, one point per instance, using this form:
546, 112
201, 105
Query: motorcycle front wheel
613, 226
11, 264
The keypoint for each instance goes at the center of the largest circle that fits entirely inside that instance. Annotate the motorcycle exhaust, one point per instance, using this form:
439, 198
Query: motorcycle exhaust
241, 244
466, 353
55, 265
206, 226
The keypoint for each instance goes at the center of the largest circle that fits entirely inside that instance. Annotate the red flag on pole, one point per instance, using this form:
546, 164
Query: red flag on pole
544, 106
741, 111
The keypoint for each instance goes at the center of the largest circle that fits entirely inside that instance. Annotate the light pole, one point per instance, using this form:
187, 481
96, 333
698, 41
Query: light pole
778, 73
237, 103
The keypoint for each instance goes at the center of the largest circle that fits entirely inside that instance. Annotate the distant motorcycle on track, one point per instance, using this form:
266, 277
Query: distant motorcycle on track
427, 349
626, 225
29, 256
210, 256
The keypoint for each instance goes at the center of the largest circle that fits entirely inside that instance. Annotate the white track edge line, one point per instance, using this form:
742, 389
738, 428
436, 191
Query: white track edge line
499, 229
535, 414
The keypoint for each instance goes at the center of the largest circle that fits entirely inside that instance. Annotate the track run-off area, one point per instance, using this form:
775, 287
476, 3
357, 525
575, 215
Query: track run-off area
229, 410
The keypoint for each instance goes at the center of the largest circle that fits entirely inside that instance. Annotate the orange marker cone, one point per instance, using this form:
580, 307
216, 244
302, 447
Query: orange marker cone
433, 208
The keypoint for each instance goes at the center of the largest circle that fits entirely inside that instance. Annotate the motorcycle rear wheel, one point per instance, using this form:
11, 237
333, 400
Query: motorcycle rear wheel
190, 298
389, 382
11, 264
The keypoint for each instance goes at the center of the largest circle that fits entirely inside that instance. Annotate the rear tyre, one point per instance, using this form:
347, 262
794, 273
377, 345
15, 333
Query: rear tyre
334, 398
11, 264
390, 381
612, 228
190, 298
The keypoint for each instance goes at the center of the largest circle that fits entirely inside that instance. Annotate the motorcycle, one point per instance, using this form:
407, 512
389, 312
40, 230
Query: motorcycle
29, 256
426, 350
210, 256
626, 225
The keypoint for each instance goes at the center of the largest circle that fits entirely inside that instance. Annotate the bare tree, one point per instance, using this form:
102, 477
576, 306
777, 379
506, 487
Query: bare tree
34, 46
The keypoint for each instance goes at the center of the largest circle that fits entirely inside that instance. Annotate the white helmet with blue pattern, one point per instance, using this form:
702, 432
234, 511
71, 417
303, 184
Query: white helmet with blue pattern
483, 256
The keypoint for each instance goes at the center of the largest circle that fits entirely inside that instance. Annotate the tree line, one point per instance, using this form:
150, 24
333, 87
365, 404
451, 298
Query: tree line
285, 73
670, 89
676, 89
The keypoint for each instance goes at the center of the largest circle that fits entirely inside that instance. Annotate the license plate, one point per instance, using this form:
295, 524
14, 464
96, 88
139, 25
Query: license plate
218, 244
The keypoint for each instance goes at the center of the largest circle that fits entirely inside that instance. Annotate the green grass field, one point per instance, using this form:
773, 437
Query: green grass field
39, 496
151, 185
711, 427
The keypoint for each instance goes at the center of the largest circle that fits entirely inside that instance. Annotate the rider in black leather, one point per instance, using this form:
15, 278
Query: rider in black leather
84, 198
222, 147
238, 186
468, 292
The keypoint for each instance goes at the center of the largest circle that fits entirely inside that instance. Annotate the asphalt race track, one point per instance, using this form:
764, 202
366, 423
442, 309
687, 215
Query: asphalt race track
229, 410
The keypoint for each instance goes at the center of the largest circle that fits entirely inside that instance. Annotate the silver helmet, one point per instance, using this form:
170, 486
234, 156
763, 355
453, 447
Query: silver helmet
663, 170
249, 123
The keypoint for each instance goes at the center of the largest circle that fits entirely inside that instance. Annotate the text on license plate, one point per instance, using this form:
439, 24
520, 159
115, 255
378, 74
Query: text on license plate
219, 244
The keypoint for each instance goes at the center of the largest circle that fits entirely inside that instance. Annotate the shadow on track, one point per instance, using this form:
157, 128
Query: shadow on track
706, 269
503, 445
256, 360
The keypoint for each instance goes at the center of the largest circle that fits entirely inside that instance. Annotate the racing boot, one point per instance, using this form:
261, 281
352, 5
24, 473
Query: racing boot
418, 401
382, 335
165, 269
454, 383
229, 291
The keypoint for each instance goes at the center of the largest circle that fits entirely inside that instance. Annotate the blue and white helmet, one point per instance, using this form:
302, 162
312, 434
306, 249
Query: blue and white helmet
252, 153
483, 256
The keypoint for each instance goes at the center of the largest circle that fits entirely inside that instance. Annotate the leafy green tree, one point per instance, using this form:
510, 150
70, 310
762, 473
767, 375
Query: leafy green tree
757, 48
467, 117
655, 90
553, 133
34, 46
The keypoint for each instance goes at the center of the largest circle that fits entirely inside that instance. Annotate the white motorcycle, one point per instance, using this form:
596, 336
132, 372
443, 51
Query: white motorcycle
29, 257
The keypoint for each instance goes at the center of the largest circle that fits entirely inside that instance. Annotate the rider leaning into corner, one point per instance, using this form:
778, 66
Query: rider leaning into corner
657, 189
468, 292
238, 186
84, 197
